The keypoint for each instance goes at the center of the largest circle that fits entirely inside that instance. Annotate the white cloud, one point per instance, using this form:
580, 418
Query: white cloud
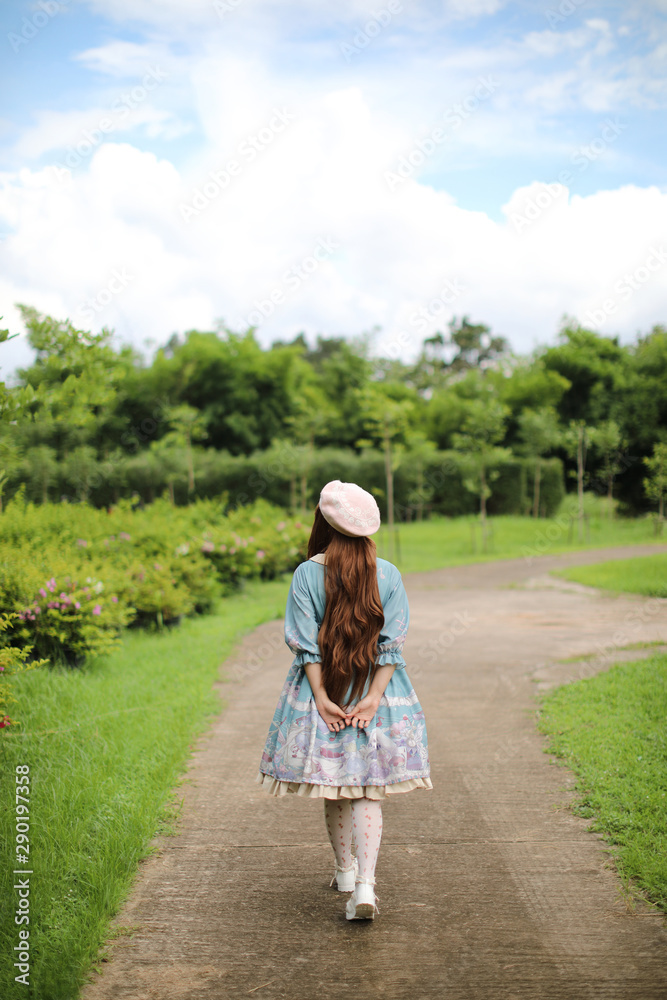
320, 178
126, 59
83, 131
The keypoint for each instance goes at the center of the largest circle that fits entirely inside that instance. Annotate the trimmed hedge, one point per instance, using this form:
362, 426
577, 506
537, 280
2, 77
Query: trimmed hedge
433, 483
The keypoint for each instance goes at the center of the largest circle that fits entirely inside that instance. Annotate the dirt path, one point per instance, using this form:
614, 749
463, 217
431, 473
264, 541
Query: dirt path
489, 887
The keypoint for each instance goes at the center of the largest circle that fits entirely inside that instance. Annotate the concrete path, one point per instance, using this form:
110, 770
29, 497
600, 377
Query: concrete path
489, 887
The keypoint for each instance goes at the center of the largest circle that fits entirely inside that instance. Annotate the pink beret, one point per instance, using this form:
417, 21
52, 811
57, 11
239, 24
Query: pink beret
349, 509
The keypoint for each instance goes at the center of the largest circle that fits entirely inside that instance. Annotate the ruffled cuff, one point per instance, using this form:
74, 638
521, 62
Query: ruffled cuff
303, 657
393, 657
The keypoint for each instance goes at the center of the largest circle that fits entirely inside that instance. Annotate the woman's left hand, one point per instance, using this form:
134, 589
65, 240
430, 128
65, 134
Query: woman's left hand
364, 711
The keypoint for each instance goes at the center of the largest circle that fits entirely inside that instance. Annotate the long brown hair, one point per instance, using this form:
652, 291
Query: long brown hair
353, 616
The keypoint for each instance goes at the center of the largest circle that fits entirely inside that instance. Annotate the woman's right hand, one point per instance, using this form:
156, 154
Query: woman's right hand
334, 716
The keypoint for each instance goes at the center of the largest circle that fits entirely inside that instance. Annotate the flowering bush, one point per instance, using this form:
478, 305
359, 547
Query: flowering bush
75, 576
63, 619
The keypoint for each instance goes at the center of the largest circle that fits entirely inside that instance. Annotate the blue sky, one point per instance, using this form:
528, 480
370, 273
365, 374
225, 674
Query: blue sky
508, 100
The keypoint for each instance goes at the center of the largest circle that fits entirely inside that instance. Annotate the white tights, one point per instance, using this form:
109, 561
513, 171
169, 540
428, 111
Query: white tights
355, 823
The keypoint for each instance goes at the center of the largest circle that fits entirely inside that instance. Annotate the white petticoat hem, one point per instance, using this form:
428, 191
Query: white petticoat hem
309, 790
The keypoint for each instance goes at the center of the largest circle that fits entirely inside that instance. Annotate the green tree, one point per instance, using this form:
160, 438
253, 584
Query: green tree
539, 432
608, 442
387, 423
467, 346
80, 470
312, 415
40, 470
187, 426
655, 484
478, 441
74, 377
598, 370
420, 449
577, 439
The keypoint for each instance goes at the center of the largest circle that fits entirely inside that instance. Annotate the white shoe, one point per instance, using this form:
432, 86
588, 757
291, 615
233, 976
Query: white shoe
362, 905
345, 877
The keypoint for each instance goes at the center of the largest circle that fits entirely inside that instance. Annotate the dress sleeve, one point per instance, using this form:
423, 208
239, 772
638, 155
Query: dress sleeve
301, 626
395, 628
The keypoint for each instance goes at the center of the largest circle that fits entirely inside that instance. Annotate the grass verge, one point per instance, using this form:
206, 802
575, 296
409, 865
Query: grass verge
644, 575
610, 730
105, 746
439, 542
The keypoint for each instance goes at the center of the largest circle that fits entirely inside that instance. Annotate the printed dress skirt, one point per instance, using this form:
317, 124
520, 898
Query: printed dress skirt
303, 757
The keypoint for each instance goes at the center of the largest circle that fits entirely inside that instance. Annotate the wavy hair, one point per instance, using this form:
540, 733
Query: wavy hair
354, 616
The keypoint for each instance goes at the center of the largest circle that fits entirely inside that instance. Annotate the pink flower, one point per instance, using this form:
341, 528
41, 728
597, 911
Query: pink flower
37, 608
63, 595
51, 584
280, 525
82, 542
42, 592
124, 535
260, 554
223, 548
157, 567
232, 552
297, 524
114, 599
77, 605
97, 610
207, 547
251, 538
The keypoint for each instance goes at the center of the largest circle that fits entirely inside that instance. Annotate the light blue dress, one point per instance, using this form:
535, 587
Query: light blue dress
301, 754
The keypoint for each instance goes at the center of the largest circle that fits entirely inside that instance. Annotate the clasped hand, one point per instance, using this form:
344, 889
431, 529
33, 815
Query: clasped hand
337, 718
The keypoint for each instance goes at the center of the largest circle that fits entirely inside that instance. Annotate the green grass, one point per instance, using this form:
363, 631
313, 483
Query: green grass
105, 746
439, 542
610, 729
646, 575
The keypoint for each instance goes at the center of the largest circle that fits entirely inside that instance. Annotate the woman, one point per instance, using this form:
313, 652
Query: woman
348, 727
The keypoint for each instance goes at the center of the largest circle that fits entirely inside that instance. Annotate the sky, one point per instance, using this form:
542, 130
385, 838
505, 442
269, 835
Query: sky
333, 168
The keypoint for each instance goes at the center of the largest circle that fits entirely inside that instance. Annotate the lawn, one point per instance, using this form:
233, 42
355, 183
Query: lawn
426, 545
610, 729
105, 746
645, 575
106, 743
